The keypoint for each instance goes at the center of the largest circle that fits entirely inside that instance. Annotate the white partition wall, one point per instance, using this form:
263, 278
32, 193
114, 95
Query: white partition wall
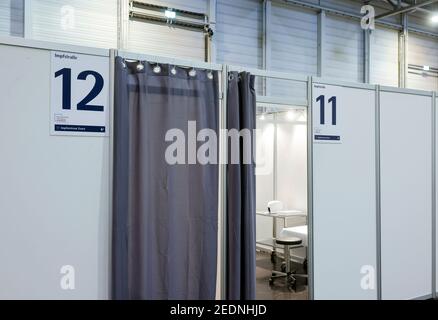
54, 190
436, 197
344, 192
406, 194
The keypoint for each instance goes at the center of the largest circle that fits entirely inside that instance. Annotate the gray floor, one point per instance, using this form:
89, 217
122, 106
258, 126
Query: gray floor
278, 291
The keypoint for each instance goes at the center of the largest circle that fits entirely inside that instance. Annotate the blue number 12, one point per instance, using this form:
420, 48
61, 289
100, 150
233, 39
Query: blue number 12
66, 89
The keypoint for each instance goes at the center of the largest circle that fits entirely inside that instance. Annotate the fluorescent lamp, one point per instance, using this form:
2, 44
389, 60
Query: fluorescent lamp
291, 115
169, 14
434, 18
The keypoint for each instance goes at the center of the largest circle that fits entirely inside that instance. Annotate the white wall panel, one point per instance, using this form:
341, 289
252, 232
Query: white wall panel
80, 22
422, 51
344, 198
384, 64
406, 195
264, 174
436, 199
344, 49
54, 191
239, 32
292, 162
12, 18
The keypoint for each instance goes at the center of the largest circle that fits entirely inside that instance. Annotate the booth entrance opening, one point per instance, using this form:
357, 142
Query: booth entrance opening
281, 202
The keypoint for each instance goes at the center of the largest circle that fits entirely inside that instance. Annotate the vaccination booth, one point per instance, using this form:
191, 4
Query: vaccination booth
354, 165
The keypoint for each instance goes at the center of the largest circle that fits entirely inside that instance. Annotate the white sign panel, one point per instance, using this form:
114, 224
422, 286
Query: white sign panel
327, 113
79, 94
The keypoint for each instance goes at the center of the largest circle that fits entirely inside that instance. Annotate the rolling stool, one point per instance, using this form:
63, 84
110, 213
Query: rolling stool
291, 281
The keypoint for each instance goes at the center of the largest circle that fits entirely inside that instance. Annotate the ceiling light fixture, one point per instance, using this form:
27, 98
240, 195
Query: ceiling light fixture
291, 115
434, 18
169, 14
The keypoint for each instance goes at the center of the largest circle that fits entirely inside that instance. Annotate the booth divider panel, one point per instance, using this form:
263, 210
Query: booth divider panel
54, 191
406, 195
344, 193
436, 196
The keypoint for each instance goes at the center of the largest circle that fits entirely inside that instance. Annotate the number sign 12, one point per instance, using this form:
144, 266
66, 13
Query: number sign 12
65, 73
79, 94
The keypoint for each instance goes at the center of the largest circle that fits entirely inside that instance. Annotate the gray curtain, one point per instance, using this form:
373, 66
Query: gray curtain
165, 216
241, 114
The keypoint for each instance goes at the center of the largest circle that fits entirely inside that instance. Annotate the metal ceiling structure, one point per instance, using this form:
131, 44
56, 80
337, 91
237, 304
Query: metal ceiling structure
400, 9
358, 16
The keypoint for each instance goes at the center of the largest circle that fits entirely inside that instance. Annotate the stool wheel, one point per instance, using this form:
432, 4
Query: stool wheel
291, 284
271, 282
273, 257
283, 267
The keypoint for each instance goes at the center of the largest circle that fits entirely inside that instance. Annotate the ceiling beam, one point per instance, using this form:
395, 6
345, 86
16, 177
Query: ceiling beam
392, 3
396, 4
407, 9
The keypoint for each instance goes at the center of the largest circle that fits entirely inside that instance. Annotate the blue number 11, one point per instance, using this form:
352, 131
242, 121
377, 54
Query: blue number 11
321, 100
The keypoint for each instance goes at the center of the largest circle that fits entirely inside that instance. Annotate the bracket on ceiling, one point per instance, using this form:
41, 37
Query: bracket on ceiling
143, 11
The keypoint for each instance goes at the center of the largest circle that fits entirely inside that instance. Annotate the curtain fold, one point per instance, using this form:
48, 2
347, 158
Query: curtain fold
241, 241
165, 215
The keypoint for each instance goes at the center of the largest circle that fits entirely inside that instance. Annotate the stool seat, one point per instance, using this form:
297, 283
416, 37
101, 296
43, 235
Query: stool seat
289, 241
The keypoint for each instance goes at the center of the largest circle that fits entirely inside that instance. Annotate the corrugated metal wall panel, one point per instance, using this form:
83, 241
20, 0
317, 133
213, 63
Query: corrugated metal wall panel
384, 64
12, 18
162, 40
344, 49
356, 5
95, 22
239, 29
294, 40
422, 51
349, 6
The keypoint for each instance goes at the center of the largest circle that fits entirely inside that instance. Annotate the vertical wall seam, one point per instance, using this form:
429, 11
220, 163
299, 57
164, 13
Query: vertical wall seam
310, 259
378, 198
434, 195
113, 54
321, 43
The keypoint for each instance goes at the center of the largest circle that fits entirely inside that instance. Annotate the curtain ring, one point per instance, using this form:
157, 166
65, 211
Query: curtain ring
230, 77
173, 70
192, 72
140, 66
210, 75
123, 64
157, 68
